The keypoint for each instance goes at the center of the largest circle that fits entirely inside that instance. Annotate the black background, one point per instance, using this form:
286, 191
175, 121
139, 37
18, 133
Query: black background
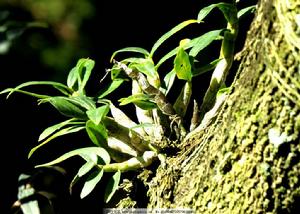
117, 24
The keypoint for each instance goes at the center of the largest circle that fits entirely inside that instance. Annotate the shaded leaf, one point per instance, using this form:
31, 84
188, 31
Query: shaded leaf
205, 68
112, 186
88, 151
91, 182
97, 133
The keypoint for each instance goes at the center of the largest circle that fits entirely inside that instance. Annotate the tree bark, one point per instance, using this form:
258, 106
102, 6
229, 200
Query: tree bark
248, 161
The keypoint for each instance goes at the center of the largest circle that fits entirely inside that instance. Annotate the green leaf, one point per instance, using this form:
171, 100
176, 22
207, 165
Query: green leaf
97, 114
85, 168
85, 70
56, 85
72, 78
112, 86
203, 41
97, 133
141, 100
182, 65
66, 106
8, 90
246, 11
87, 151
229, 11
170, 33
91, 182
169, 80
205, 68
80, 74
146, 66
112, 186
50, 130
61, 132
130, 49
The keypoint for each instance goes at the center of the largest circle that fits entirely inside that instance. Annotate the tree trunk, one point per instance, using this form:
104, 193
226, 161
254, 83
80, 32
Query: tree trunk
248, 160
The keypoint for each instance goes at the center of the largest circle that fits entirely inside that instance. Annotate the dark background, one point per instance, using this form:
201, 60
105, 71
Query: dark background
49, 53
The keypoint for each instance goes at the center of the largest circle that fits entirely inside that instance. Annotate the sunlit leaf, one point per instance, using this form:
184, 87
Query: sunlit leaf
83, 101
246, 11
85, 69
97, 133
56, 85
203, 41
50, 130
182, 65
141, 100
130, 49
88, 151
229, 11
112, 186
112, 86
39, 96
169, 80
91, 182
97, 114
72, 79
61, 132
170, 33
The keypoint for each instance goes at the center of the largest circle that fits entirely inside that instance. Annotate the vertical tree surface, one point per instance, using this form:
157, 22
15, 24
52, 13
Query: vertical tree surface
248, 160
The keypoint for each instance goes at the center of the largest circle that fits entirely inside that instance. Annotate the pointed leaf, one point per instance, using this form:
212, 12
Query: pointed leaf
112, 86
182, 65
91, 182
32, 83
50, 130
229, 11
66, 106
97, 114
97, 133
72, 79
85, 168
130, 49
112, 186
141, 100
205, 68
204, 40
85, 70
169, 80
64, 131
246, 11
170, 33
88, 151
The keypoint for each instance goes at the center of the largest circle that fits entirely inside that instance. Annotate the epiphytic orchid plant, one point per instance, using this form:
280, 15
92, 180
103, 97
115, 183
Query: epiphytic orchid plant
121, 144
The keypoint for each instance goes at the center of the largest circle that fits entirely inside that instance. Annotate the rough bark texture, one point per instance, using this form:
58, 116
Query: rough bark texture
248, 161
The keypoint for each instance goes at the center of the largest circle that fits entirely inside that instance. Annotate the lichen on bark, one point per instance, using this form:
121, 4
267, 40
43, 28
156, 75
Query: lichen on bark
248, 161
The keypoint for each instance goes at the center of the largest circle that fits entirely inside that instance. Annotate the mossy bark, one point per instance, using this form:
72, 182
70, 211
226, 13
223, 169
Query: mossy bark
248, 161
